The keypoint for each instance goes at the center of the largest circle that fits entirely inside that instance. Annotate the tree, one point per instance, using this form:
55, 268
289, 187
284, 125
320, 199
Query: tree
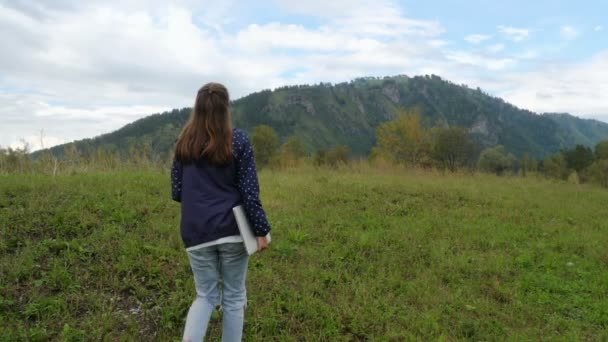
265, 143
292, 151
528, 165
332, 157
525, 161
452, 147
71, 153
16, 160
495, 160
319, 157
403, 139
598, 172
293, 148
3, 155
105, 159
555, 166
601, 150
140, 153
71, 156
578, 158
337, 155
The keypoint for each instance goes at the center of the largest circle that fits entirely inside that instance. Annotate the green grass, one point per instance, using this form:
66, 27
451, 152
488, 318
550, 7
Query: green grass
356, 255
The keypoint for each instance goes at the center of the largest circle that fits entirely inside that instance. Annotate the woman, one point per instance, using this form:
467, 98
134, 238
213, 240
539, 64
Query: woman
213, 172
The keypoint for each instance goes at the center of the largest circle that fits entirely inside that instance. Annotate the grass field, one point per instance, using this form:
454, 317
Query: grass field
356, 255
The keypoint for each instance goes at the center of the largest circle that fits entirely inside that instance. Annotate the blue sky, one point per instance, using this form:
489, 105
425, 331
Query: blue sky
73, 69
543, 18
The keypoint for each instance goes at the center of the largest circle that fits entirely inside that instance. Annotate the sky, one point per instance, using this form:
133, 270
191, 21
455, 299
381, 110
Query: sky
75, 69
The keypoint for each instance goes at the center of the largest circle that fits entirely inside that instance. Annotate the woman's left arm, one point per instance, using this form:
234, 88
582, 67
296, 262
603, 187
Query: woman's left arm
176, 181
247, 184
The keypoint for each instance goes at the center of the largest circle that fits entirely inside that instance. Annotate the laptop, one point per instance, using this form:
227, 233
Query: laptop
251, 244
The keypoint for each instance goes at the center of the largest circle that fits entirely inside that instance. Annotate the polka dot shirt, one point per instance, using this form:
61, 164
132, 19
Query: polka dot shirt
246, 182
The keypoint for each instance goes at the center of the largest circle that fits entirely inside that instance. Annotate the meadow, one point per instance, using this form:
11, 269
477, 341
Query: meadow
357, 254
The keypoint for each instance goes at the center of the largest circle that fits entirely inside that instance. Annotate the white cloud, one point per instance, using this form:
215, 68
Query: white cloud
98, 61
568, 32
378, 18
437, 43
79, 69
513, 33
476, 38
479, 60
80, 64
496, 48
277, 35
36, 142
327, 9
527, 54
578, 88
598, 28
24, 116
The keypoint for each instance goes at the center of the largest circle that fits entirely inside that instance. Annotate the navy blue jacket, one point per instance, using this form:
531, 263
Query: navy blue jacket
208, 193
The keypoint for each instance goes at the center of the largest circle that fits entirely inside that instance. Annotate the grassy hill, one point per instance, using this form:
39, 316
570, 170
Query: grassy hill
357, 255
347, 113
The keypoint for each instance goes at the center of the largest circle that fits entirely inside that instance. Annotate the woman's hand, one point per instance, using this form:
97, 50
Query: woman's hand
262, 243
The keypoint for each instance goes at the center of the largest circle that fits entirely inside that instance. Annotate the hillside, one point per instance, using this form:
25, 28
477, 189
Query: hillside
347, 113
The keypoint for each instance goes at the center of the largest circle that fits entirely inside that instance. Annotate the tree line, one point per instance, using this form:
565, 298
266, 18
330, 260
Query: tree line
21, 160
270, 153
404, 141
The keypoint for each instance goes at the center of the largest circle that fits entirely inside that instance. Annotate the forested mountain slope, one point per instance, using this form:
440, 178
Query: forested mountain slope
325, 115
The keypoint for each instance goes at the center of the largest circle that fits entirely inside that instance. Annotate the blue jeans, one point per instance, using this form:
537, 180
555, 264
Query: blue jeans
228, 261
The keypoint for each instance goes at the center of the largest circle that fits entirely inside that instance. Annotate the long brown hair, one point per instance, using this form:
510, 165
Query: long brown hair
208, 133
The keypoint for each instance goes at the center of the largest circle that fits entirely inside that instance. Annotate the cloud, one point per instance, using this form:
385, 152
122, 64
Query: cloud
527, 54
557, 87
479, 60
78, 69
495, 48
36, 142
568, 32
378, 18
89, 62
598, 28
74, 66
513, 33
438, 43
26, 115
281, 36
476, 38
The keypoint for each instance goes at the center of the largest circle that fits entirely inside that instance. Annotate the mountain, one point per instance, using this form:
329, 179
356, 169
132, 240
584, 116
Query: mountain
325, 115
580, 131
